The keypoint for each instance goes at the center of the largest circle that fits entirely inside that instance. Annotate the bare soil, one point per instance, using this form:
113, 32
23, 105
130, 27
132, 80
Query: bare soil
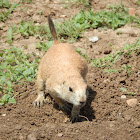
106, 116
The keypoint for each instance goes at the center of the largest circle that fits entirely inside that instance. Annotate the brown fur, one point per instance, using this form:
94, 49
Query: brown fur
60, 68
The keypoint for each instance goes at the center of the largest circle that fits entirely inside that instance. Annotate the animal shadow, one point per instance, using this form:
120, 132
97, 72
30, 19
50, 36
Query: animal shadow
87, 112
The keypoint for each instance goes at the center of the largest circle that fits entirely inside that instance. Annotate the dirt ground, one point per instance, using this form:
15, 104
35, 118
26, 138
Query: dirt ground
106, 116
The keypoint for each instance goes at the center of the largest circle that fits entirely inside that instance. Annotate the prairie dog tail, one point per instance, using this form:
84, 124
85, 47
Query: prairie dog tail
52, 29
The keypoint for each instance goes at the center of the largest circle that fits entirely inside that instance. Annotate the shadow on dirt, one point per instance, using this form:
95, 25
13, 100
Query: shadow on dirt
87, 112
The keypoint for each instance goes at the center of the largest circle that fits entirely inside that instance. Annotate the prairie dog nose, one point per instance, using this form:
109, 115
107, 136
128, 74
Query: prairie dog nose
81, 103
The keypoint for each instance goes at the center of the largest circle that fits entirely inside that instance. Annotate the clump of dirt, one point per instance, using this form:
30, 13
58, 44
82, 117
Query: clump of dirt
106, 115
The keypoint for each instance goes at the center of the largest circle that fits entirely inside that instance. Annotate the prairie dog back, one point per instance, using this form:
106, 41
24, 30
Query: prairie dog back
62, 57
62, 72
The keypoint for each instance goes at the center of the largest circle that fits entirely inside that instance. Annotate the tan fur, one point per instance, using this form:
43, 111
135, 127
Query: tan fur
60, 68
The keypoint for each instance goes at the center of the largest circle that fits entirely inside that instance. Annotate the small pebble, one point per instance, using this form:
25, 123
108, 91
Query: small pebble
106, 81
93, 38
132, 102
137, 124
62, 16
32, 136
59, 134
123, 97
18, 127
37, 24
66, 120
3, 115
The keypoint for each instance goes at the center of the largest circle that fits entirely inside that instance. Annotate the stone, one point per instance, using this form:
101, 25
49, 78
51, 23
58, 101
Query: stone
3, 115
132, 102
93, 38
123, 97
66, 120
59, 134
62, 16
32, 136
18, 127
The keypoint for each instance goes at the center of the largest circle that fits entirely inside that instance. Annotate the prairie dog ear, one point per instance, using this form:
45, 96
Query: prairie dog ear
64, 82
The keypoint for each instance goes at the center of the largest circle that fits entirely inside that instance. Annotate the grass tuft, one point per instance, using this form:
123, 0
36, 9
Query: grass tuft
15, 68
111, 59
6, 13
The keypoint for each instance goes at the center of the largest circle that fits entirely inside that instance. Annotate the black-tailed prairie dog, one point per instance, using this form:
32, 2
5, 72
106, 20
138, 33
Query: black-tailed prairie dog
62, 72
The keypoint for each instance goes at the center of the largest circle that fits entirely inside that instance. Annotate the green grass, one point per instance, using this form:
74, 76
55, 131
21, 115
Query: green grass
127, 69
111, 70
26, 1
114, 18
66, 30
4, 4
138, 2
43, 46
71, 30
9, 9
15, 68
111, 59
26, 29
79, 50
107, 61
84, 2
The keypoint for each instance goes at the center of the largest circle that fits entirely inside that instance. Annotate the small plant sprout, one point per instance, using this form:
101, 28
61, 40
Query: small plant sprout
128, 92
80, 51
43, 46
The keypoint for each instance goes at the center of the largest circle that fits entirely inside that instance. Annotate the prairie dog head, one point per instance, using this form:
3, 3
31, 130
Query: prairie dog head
74, 91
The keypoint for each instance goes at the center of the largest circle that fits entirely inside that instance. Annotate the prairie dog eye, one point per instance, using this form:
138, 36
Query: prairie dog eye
70, 89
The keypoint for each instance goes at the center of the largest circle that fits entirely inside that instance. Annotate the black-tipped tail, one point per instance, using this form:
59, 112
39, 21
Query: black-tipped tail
52, 28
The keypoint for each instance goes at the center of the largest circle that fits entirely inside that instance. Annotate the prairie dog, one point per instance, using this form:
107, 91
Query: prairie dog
62, 72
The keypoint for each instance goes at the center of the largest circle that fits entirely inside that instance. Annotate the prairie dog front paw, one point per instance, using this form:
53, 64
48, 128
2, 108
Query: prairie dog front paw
75, 114
74, 118
39, 101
